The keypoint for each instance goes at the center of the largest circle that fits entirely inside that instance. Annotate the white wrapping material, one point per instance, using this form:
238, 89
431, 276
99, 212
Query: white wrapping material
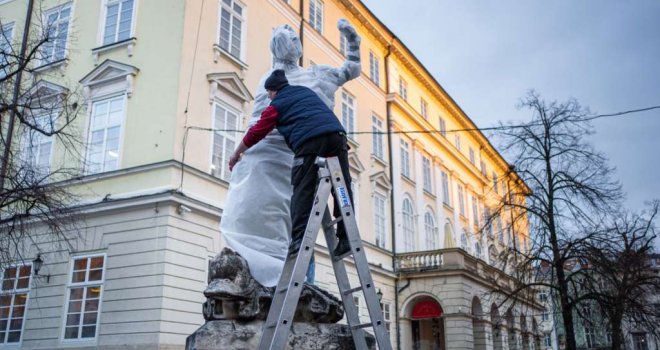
256, 221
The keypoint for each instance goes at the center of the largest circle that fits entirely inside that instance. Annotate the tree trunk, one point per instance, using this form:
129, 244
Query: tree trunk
617, 335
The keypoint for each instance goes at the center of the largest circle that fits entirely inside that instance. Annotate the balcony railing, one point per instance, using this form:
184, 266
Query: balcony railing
419, 261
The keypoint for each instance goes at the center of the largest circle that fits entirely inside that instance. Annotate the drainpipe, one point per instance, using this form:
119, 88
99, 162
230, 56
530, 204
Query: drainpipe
16, 92
392, 211
302, 30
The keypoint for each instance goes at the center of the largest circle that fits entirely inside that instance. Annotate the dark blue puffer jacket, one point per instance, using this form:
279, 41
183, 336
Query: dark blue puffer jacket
302, 115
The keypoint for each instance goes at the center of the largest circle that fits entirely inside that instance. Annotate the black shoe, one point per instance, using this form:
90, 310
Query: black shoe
343, 247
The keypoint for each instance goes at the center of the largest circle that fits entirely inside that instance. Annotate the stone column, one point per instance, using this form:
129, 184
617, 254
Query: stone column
440, 210
498, 336
396, 185
458, 331
420, 240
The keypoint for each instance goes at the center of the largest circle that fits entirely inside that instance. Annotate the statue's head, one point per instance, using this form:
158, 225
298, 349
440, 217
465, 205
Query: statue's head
285, 45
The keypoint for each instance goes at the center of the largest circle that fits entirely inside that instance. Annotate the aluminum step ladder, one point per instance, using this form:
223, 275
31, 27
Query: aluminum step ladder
285, 300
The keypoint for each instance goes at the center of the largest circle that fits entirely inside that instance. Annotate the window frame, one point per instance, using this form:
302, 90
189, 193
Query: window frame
122, 130
27, 142
404, 155
374, 68
242, 17
403, 88
377, 144
423, 108
380, 218
472, 156
446, 195
427, 174
10, 28
236, 138
442, 124
430, 231
71, 285
104, 21
65, 51
461, 199
13, 293
348, 104
408, 225
315, 5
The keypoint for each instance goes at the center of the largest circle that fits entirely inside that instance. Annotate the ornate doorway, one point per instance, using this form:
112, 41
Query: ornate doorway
428, 330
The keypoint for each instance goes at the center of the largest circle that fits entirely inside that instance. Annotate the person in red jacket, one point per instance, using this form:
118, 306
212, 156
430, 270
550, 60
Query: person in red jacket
311, 130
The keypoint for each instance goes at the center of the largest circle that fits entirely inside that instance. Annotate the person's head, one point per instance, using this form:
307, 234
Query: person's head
275, 82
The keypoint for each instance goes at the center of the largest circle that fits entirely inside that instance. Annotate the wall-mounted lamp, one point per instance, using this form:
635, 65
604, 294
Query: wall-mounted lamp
380, 294
37, 263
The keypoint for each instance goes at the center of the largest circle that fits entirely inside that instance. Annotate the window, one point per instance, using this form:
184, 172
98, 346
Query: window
374, 68
423, 108
104, 136
405, 158
498, 229
224, 140
484, 171
430, 231
477, 250
639, 341
6, 34
475, 211
57, 31
231, 27
379, 220
408, 227
118, 21
545, 316
37, 146
13, 302
343, 44
442, 124
316, 15
547, 340
461, 200
426, 167
385, 308
457, 141
377, 128
464, 241
543, 296
488, 226
84, 297
590, 337
403, 89
348, 113
495, 187
608, 338
472, 158
445, 187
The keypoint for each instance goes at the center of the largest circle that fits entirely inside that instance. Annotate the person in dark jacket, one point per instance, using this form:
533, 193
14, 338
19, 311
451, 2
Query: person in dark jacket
311, 130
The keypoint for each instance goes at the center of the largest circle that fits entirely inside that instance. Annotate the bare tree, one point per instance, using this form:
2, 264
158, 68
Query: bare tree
559, 188
619, 278
37, 113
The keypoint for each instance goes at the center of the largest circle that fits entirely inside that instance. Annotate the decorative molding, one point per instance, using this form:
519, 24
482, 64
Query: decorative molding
129, 44
110, 71
354, 163
228, 82
380, 179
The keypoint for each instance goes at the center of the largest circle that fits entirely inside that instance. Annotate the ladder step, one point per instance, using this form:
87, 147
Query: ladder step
353, 290
334, 222
363, 325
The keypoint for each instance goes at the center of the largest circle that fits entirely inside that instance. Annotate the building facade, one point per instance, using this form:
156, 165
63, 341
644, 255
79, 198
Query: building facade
165, 84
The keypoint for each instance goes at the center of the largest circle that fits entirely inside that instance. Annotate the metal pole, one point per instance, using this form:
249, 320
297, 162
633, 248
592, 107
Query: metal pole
17, 90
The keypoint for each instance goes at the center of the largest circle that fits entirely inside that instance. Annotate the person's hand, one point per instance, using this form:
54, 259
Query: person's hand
347, 29
233, 160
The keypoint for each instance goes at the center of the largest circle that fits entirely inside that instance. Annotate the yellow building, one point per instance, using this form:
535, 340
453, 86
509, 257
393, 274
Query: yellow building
158, 78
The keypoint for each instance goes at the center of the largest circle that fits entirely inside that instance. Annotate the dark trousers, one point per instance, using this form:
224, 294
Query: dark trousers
304, 178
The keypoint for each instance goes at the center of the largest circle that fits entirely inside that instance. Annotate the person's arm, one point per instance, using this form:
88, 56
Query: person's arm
256, 133
351, 67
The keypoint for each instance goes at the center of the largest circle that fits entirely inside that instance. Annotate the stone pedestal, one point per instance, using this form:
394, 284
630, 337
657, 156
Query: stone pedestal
234, 335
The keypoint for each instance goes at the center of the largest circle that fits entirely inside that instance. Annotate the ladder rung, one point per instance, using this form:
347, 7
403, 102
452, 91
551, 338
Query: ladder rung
353, 290
333, 222
363, 325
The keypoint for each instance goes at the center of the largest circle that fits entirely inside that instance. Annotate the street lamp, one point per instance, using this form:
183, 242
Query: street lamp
380, 294
37, 263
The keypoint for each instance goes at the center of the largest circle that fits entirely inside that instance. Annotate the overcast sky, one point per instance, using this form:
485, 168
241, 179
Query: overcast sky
604, 53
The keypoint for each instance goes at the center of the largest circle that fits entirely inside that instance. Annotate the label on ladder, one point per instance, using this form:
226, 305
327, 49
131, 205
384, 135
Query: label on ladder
344, 199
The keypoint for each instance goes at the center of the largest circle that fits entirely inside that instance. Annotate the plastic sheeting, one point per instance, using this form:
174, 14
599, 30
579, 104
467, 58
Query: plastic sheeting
256, 221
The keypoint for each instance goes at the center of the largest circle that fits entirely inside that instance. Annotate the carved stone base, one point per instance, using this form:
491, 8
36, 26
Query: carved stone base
234, 335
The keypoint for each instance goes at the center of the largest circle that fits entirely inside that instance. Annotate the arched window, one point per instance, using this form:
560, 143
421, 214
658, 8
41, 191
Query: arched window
430, 231
449, 236
464, 242
477, 250
408, 226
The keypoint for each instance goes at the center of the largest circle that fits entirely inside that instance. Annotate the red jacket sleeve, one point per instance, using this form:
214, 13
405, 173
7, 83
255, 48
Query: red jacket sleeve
259, 130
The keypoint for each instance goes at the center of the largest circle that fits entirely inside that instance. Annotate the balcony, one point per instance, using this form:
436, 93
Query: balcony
451, 261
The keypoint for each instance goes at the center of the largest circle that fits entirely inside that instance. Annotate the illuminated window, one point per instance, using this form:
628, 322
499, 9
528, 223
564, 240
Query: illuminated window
13, 302
84, 297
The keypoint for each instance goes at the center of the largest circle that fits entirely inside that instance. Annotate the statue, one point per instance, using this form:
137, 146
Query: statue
256, 222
